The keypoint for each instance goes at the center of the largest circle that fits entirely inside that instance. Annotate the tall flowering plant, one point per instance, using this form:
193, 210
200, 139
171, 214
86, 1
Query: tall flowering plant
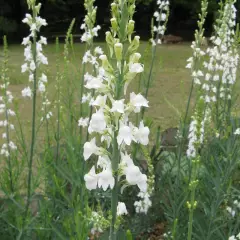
110, 126
8, 148
215, 79
34, 57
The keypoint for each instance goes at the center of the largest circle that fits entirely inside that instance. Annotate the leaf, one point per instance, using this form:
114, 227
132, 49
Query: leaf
129, 235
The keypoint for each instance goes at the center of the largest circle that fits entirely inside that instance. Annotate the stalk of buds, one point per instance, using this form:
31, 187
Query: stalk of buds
161, 18
89, 21
221, 68
6, 99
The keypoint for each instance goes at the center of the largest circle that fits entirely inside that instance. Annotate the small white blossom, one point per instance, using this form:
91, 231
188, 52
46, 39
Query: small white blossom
121, 209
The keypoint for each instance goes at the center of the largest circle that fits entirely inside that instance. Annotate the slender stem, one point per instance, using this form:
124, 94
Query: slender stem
114, 201
183, 133
58, 101
149, 78
192, 199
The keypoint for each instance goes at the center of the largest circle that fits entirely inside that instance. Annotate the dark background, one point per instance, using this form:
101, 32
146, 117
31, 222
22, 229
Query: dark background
59, 13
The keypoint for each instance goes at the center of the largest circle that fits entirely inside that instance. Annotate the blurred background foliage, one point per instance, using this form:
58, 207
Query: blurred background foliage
59, 14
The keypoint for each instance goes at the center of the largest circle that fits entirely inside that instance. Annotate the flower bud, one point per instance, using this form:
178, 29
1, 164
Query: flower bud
134, 58
38, 7
134, 45
131, 10
94, 14
114, 7
110, 42
130, 27
118, 48
114, 24
105, 64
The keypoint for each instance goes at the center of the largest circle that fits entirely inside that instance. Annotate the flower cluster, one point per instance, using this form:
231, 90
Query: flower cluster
6, 99
196, 132
144, 204
110, 123
99, 222
5, 109
89, 21
161, 17
198, 53
221, 68
234, 209
33, 54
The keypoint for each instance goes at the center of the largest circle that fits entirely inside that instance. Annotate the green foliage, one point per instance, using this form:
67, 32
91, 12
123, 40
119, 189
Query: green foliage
7, 25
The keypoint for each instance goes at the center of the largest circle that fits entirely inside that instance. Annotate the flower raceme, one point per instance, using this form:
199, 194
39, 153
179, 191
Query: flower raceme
113, 132
161, 17
90, 31
33, 54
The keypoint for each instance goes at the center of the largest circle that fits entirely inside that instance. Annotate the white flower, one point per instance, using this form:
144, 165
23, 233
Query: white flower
24, 67
124, 135
104, 162
98, 51
142, 134
83, 122
121, 209
136, 68
144, 204
97, 122
27, 92
43, 40
106, 179
12, 145
43, 78
232, 238
135, 177
118, 106
100, 101
94, 83
138, 101
91, 179
41, 87
32, 65
86, 98
237, 131
90, 148
25, 40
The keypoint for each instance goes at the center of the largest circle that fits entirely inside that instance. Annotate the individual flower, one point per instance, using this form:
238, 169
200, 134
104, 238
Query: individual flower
91, 179
97, 122
90, 148
106, 179
83, 122
27, 92
121, 209
142, 134
237, 131
118, 106
124, 135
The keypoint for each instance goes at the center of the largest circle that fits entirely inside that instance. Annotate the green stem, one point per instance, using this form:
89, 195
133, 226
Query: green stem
192, 199
58, 101
180, 148
149, 78
114, 201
